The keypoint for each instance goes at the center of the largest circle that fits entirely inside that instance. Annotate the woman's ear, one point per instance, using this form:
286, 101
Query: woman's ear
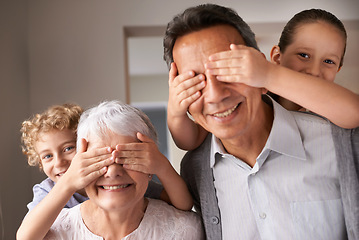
275, 54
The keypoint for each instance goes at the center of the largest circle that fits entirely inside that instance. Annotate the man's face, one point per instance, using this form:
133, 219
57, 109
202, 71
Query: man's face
225, 109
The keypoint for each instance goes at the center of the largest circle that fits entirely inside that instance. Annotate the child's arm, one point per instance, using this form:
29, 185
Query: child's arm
248, 66
145, 157
84, 168
328, 99
184, 89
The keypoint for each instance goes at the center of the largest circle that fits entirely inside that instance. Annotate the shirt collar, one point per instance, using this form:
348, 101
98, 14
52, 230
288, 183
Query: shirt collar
284, 137
216, 148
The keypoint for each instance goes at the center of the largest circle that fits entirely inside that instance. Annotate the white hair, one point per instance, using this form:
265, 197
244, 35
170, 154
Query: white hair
117, 117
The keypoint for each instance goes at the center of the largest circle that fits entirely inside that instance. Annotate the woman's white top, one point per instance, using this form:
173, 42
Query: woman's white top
160, 221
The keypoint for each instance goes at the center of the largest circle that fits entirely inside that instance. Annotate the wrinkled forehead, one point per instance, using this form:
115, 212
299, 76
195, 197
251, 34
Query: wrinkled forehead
192, 50
108, 140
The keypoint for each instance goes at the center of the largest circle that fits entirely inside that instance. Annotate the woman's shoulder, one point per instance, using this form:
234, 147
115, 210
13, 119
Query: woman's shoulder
163, 221
159, 207
69, 225
67, 219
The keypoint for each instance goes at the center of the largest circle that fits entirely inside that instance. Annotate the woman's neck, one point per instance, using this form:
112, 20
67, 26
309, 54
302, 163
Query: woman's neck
114, 223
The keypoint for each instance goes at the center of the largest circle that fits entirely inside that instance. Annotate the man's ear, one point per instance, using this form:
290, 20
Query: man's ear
275, 54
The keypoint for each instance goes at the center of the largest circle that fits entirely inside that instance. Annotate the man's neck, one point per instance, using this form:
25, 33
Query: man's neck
250, 144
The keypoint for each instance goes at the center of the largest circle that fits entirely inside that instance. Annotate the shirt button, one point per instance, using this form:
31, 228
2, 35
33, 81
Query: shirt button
262, 215
214, 220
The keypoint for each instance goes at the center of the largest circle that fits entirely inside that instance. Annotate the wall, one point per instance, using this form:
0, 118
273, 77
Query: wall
15, 186
59, 51
76, 47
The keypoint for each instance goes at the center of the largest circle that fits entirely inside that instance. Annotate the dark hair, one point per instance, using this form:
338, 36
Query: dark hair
201, 17
310, 16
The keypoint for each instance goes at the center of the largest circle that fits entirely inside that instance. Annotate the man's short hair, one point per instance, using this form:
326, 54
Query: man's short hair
201, 17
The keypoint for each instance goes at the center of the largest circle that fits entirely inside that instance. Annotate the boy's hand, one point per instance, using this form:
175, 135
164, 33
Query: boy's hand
241, 64
142, 157
87, 166
184, 89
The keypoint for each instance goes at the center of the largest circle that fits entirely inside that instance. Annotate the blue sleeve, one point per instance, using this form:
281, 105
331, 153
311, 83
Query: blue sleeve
40, 191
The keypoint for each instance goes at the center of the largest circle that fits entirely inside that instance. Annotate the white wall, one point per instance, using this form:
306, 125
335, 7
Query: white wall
58, 51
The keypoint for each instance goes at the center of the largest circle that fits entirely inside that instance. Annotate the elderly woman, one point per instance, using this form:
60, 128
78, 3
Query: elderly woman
117, 208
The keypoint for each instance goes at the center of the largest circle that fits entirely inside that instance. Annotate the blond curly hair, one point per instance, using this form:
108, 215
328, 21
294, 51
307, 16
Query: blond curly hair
58, 117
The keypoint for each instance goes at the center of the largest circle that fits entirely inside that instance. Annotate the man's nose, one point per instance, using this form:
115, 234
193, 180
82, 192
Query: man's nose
215, 91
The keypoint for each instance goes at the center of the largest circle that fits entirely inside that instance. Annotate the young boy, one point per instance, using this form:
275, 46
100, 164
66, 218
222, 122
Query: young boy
49, 141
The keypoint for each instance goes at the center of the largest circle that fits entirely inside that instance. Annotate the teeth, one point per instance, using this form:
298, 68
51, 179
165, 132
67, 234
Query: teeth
115, 187
226, 113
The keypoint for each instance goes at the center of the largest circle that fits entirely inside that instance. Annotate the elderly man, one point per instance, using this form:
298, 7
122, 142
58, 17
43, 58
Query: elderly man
263, 172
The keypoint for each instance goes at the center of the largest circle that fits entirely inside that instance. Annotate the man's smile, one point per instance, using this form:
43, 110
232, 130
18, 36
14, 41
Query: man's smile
226, 113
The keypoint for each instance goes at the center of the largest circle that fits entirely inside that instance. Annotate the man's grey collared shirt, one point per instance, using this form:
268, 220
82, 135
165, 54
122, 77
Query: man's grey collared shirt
292, 192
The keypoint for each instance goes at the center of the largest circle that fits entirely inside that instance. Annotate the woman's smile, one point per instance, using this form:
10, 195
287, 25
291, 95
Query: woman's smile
115, 187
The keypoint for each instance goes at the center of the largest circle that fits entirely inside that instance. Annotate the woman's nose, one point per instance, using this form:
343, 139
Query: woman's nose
115, 170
